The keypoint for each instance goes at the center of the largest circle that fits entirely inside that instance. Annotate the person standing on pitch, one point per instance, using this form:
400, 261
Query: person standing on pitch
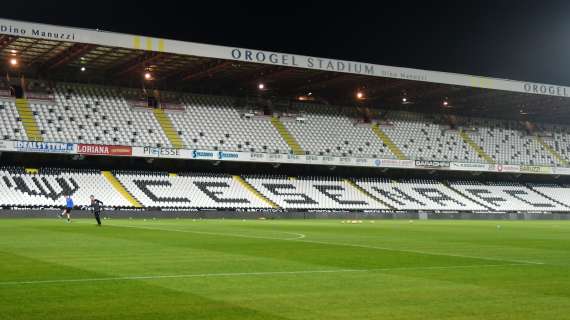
68, 208
96, 207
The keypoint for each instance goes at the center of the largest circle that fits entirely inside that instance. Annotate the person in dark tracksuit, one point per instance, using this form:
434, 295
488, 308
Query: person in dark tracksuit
96, 207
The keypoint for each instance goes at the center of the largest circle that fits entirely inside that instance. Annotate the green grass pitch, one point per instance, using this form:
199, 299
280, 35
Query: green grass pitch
284, 269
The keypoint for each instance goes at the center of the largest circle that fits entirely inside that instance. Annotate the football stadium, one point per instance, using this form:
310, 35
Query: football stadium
152, 178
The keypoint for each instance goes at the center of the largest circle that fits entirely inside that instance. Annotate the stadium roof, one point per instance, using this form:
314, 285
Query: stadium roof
59, 53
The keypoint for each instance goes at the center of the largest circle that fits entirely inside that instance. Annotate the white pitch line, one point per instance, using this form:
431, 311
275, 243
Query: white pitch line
298, 239
421, 252
297, 235
238, 274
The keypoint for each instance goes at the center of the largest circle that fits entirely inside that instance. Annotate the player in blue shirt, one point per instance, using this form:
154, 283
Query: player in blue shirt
68, 208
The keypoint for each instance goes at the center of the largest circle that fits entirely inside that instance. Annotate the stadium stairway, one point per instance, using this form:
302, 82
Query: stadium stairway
254, 191
477, 148
388, 142
121, 189
287, 136
31, 170
368, 194
551, 150
168, 128
28, 120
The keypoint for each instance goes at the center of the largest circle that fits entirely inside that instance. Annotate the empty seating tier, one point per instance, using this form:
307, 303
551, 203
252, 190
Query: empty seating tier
47, 188
78, 113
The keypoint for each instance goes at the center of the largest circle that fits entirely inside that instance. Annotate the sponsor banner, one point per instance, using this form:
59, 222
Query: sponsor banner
293, 158
507, 168
204, 154
156, 152
222, 155
345, 161
48, 147
6, 145
257, 156
536, 169
394, 163
272, 157
465, 166
104, 150
562, 171
230, 156
329, 160
313, 159
432, 164
363, 162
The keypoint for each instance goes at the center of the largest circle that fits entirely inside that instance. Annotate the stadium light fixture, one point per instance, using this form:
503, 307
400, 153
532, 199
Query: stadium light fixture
261, 86
14, 62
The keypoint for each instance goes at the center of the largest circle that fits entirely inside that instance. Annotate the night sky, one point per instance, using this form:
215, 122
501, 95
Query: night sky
522, 40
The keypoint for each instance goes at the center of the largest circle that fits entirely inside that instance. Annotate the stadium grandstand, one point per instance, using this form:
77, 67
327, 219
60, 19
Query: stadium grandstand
163, 124
149, 178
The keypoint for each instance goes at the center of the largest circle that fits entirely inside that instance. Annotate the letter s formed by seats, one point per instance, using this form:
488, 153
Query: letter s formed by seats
301, 198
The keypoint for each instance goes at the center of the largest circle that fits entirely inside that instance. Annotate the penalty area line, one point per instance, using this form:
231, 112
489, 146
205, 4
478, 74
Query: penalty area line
301, 238
421, 252
244, 274
298, 236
